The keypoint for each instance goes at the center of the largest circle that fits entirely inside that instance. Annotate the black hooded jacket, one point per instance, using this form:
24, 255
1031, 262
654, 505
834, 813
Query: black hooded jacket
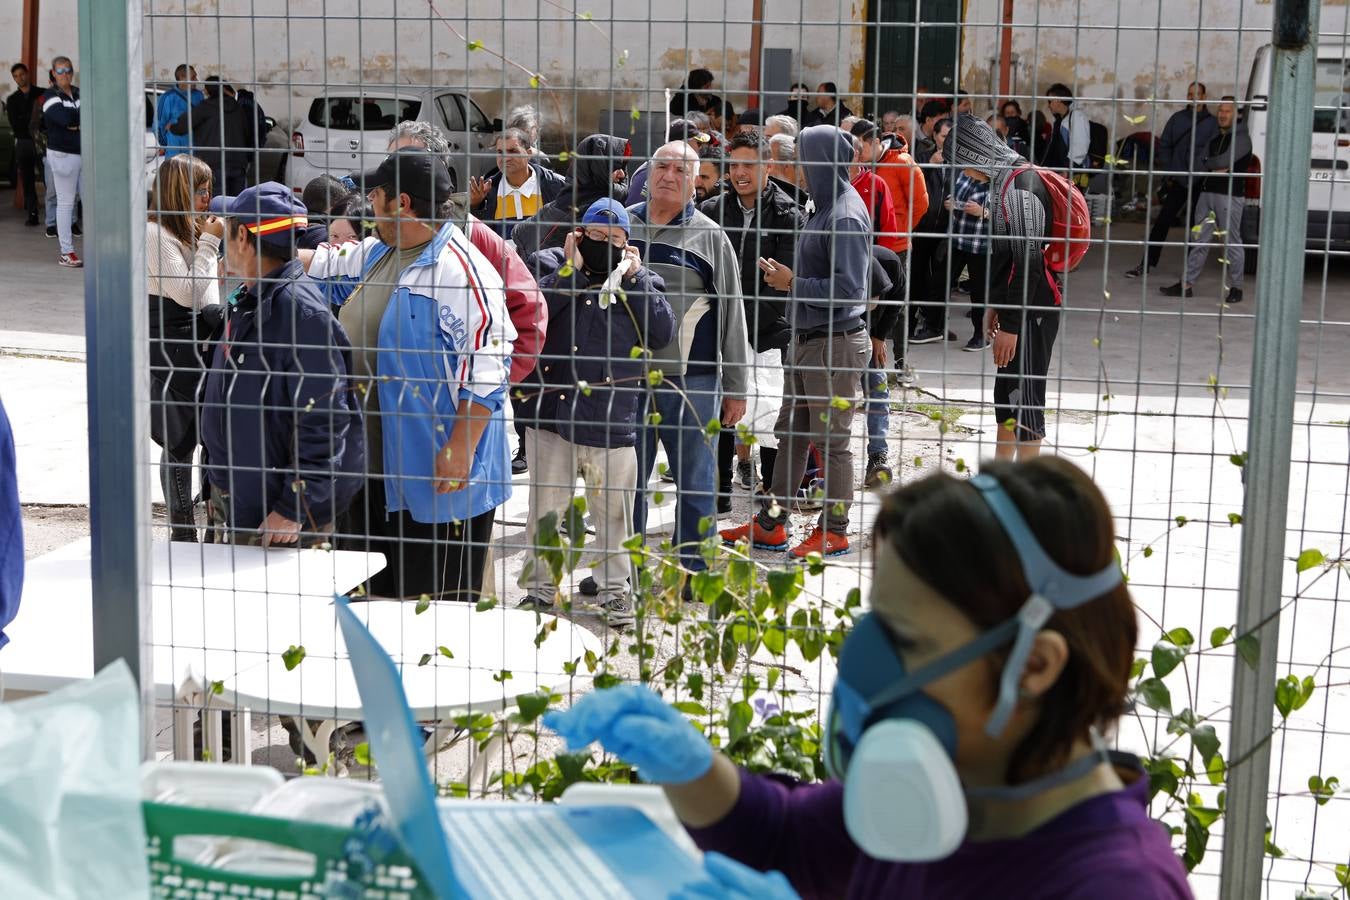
222, 131
593, 165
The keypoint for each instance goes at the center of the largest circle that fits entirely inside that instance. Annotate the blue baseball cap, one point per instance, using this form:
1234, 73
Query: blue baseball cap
269, 210
606, 212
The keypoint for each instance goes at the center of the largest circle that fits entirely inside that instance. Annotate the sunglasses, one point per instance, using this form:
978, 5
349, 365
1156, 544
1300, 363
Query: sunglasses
63, 70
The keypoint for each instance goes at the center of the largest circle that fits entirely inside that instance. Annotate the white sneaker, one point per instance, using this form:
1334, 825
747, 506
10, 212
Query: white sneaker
71, 261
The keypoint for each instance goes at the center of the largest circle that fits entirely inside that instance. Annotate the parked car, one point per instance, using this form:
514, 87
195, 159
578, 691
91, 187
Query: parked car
1329, 166
348, 132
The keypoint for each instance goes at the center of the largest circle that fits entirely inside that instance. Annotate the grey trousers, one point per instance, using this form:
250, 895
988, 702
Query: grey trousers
817, 371
611, 481
1217, 212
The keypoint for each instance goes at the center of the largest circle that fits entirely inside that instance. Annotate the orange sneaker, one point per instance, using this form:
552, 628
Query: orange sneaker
760, 538
826, 543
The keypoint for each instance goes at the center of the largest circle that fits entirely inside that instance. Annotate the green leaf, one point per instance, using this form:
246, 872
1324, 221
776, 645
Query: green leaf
842, 404
960, 464
1310, 558
534, 81
785, 584
691, 708
739, 717
1148, 551
1166, 657
713, 428
426, 658
635, 113
486, 604
217, 687
607, 680
585, 16
1323, 791
1181, 521
708, 586
1249, 648
1343, 875
361, 752
475, 45
1216, 770
1182, 637
532, 706
502, 676
1291, 694
1137, 667
566, 270
1234, 518
423, 604
445, 651
775, 638
1205, 741
1219, 636
293, 657
1155, 695
1238, 459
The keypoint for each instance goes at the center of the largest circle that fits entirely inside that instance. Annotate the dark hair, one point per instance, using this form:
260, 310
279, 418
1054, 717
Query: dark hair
212, 85
1228, 98
864, 129
698, 79
16, 67
180, 71
1201, 85
941, 124
933, 109
1014, 104
356, 209
750, 140
829, 87
321, 193
1071, 520
711, 153
797, 84
1060, 92
61, 59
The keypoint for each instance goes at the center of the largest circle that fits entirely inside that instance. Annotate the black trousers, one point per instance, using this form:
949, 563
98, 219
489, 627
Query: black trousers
927, 277
975, 264
1172, 211
26, 159
444, 561
1019, 387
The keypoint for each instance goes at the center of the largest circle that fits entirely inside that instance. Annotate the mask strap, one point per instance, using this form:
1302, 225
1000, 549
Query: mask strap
986, 642
1031, 618
1073, 771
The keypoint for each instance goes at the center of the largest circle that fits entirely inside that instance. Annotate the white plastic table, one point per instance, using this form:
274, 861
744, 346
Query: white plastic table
482, 647
217, 610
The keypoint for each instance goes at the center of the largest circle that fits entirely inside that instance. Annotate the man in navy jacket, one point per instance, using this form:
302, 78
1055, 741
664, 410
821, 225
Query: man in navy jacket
605, 311
285, 446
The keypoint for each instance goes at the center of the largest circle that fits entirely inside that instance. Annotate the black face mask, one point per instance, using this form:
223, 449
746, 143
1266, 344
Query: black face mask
598, 257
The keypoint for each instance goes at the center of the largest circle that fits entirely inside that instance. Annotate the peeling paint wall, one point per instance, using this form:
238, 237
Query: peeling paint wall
1114, 51
293, 47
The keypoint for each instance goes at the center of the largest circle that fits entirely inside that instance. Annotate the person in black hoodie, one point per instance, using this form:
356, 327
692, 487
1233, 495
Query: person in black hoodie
597, 173
692, 96
1022, 317
582, 399
763, 222
222, 134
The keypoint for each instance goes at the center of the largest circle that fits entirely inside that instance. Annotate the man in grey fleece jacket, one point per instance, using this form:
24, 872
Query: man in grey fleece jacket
705, 369
829, 351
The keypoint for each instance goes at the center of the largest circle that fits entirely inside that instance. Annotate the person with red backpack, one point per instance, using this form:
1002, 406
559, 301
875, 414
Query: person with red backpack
1039, 229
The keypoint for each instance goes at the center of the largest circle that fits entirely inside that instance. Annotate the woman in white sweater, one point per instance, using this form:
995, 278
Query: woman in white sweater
182, 262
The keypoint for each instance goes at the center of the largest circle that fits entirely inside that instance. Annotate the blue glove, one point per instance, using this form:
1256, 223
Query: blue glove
730, 880
640, 728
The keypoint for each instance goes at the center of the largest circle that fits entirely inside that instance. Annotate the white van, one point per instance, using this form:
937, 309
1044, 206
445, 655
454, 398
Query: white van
1329, 171
346, 132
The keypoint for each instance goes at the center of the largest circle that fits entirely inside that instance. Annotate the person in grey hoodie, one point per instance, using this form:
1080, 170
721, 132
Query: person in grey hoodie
829, 351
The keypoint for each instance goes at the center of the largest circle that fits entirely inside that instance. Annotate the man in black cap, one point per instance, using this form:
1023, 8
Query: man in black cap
428, 319
279, 421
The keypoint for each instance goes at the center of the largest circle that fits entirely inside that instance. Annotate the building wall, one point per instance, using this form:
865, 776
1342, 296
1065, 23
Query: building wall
617, 63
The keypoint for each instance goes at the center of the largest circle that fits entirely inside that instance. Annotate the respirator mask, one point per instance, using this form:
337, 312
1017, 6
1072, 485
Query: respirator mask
894, 747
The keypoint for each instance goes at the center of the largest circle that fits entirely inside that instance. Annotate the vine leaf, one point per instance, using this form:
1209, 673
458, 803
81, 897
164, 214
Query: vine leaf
1155, 695
1249, 648
1291, 694
1309, 558
293, 656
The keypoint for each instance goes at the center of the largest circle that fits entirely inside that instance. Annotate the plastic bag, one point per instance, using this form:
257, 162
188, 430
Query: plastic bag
70, 798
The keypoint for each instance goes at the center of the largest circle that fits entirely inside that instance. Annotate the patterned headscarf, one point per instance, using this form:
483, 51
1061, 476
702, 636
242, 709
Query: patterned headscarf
1016, 214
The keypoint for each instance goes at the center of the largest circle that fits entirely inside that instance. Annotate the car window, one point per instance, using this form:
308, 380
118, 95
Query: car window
1331, 96
477, 121
362, 113
450, 112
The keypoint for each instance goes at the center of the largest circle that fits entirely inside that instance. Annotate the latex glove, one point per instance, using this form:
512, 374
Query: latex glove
640, 728
727, 878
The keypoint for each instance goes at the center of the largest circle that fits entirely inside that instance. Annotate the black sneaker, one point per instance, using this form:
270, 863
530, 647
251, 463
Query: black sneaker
879, 472
1176, 290
1137, 271
925, 335
31, 221
589, 586
668, 476
723, 504
519, 464
51, 231
76, 230
745, 470
536, 603
975, 344
1234, 296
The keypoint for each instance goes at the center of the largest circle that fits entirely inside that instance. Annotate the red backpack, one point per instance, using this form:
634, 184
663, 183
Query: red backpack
1070, 231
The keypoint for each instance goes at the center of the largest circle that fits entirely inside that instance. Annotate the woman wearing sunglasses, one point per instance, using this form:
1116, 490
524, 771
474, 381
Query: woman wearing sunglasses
966, 731
182, 259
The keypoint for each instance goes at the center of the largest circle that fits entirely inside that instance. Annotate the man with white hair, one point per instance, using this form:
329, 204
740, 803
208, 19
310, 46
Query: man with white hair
705, 369
776, 125
782, 167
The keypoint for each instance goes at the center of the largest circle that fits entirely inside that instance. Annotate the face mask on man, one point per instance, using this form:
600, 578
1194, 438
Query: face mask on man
894, 746
598, 257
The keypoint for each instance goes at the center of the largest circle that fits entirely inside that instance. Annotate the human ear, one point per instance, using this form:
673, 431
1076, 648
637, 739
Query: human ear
1049, 655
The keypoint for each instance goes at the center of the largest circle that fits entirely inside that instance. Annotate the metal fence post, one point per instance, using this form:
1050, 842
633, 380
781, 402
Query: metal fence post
116, 336
1279, 306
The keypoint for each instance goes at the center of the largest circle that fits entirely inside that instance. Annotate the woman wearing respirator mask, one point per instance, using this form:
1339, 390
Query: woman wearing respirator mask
964, 735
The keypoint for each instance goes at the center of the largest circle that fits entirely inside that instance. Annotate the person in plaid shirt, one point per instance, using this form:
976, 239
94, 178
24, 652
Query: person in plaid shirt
969, 205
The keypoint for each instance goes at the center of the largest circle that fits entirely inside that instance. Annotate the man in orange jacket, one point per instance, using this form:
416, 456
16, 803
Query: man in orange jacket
890, 157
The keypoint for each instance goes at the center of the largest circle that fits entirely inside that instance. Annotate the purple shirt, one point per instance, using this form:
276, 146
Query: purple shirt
1105, 848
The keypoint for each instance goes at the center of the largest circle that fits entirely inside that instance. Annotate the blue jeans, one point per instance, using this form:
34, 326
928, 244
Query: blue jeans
878, 395
692, 458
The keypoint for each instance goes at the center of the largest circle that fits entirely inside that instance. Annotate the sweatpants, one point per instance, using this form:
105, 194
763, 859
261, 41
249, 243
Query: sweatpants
818, 370
611, 481
66, 171
1217, 212
1019, 387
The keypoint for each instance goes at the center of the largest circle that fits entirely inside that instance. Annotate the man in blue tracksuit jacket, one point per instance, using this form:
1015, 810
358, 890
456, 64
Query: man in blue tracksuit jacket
281, 425
172, 104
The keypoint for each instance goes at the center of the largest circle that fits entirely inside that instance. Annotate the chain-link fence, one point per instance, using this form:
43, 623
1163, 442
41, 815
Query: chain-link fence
556, 336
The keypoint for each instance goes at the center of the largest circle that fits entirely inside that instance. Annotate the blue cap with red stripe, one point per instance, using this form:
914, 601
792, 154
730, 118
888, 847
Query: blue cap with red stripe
269, 210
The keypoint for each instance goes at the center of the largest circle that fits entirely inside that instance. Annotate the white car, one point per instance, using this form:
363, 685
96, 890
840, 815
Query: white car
346, 132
